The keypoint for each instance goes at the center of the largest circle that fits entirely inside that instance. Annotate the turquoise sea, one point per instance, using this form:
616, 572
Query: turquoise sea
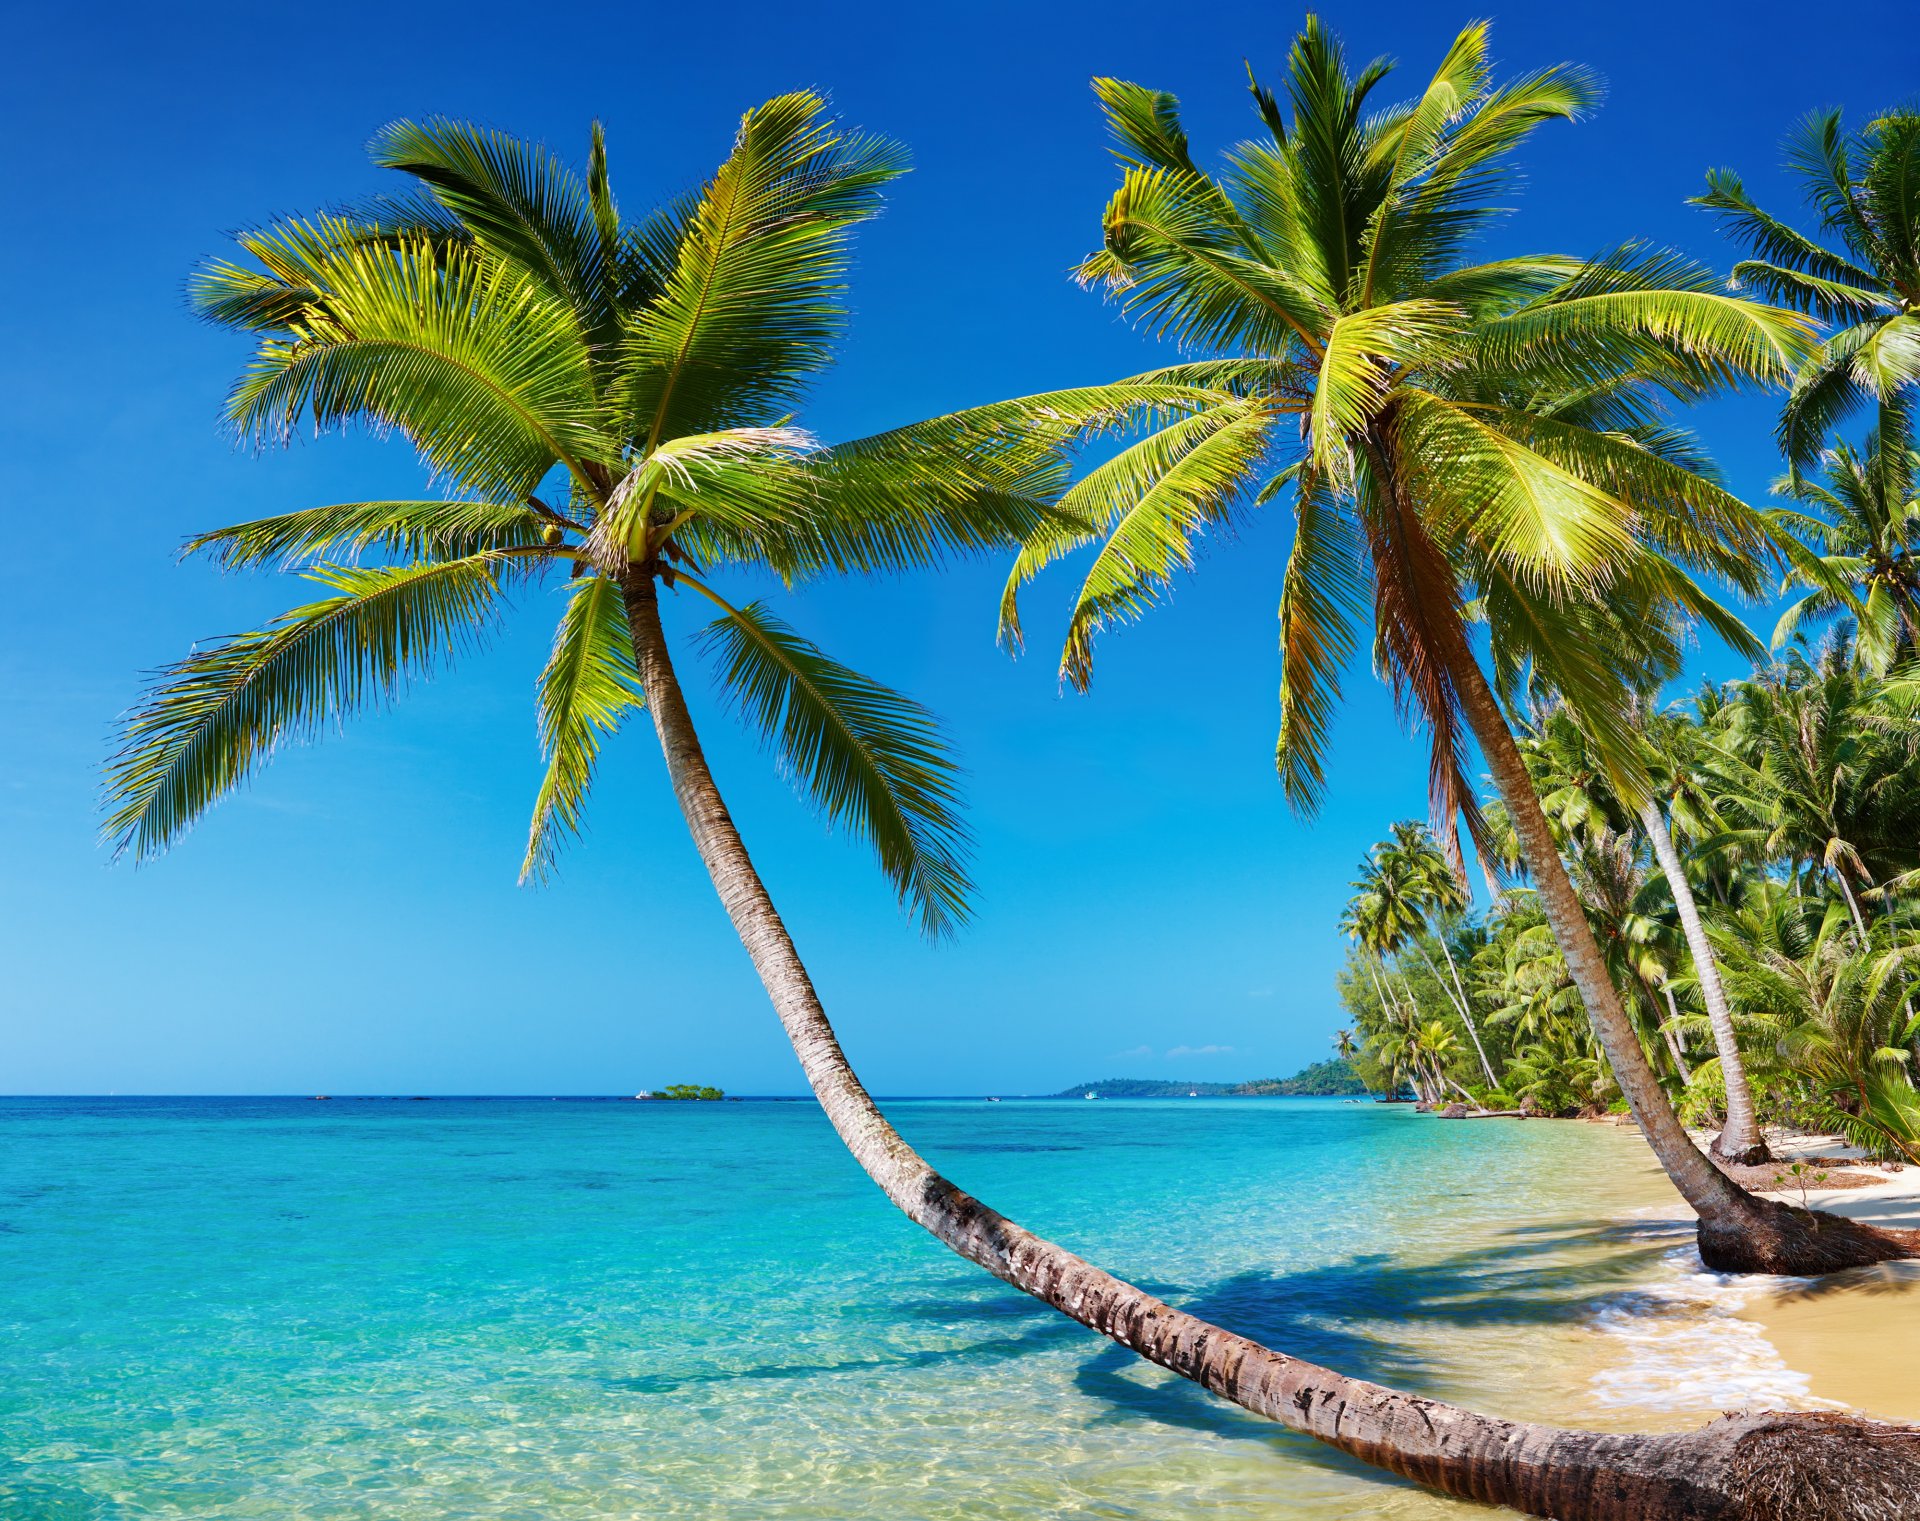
456, 1310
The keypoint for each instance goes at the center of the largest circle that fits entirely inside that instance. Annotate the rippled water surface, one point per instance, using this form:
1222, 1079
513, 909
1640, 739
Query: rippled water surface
459, 1310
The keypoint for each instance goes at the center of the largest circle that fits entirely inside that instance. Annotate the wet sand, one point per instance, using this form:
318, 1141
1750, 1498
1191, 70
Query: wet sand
1856, 1335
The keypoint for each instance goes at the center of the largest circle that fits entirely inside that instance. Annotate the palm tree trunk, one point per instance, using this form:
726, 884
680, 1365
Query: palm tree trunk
1729, 1469
1739, 1139
1671, 1029
1459, 996
1853, 906
1737, 1232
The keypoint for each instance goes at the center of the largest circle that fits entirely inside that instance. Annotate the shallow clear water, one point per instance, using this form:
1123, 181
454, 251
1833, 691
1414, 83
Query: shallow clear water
564, 1310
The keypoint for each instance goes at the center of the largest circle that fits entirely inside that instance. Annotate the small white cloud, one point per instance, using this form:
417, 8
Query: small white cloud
1179, 1051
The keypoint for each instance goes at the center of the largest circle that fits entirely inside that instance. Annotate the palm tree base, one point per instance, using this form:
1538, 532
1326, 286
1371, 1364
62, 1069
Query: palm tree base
1756, 1155
1771, 1237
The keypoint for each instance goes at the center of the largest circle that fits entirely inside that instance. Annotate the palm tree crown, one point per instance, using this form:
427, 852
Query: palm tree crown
1865, 187
1864, 524
1460, 439
603, 396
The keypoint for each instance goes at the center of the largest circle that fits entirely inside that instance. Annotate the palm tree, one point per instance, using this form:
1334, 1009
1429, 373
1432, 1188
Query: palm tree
1865, 188
1453, 435
610, 398
1819, 778
1347, 1046
1580, 799
1840, 1009
1434, 890
1868, 542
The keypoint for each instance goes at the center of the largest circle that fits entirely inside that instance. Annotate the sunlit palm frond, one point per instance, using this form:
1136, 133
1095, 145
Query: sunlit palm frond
208, 720
1323, 597
590, 685
431, 530
1150, 538
483, 373
750, 310
869, 758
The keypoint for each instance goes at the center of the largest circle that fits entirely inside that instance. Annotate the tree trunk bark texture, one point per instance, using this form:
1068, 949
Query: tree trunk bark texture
1739, 1139
1754, 1468
1738, 1232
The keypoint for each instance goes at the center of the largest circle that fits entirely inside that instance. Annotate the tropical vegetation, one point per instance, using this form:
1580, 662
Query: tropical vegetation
1803, 833
1487, 487
1486, 478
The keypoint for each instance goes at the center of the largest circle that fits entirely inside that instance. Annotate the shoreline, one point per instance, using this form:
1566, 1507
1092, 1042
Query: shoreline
1813, 1343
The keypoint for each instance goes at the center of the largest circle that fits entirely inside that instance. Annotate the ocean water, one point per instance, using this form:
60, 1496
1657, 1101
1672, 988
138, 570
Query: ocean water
468, 1310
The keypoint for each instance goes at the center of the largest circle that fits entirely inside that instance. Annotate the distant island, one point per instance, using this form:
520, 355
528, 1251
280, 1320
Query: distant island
1333, 1078
684, 1091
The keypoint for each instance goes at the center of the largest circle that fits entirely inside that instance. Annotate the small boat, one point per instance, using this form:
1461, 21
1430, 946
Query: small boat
1093, 1095
1193, 1095
993, 1101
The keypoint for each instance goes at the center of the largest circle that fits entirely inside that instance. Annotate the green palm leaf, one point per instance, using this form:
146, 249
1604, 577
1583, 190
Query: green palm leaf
1323, 596
437, 530
869, 758
208, 720
589, 686
751, 307
483, 372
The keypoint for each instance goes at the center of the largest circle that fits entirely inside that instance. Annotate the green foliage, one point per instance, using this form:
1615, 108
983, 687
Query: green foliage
688, 1091
1864, 188
608, 397
1457, 439
1795, 794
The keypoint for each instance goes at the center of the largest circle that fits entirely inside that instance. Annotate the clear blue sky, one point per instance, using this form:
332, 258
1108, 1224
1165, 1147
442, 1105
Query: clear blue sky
351, 923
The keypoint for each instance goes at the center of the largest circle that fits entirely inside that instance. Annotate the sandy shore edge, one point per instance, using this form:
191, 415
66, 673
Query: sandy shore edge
1852, 1335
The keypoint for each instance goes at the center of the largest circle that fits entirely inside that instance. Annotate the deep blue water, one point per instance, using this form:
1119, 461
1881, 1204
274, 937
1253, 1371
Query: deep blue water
454, 1309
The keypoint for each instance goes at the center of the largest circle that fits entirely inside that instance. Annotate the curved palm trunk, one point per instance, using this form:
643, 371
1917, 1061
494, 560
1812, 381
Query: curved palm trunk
1738, 1232
1459, 996
1739, 1139
1733, 1468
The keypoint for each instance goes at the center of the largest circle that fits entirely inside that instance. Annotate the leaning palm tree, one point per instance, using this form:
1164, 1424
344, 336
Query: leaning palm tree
1864, 522
1459, 440
610, 399
1865, 188
1581, 802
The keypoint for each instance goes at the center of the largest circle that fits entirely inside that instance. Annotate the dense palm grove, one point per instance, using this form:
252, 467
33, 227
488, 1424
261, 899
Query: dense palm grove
1759, 912
1795, 794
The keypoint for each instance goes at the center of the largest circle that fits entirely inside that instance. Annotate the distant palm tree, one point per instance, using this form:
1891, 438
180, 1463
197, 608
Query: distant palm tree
1459, 439
1818, 778
1430, 885
1840, 1010
1865, 188
1865, 526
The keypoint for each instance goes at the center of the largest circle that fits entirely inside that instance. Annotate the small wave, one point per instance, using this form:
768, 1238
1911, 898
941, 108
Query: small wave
1683, 1344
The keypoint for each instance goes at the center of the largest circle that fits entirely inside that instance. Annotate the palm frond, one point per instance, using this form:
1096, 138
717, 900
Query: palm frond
431, 530
1150, 538
208, 720
869, 758
590, 685
752, 305
1323, 597
482, 372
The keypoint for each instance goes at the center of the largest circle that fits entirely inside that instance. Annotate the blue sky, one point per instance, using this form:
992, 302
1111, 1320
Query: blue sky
350, 923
